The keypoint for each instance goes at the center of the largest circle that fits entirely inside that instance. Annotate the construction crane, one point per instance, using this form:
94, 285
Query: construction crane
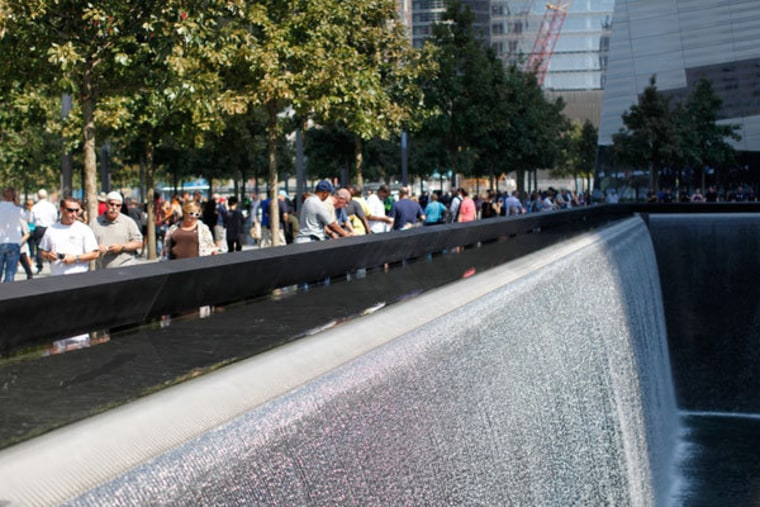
546, 40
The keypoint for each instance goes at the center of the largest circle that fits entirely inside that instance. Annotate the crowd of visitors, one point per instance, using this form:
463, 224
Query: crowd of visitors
740, 193
192, 226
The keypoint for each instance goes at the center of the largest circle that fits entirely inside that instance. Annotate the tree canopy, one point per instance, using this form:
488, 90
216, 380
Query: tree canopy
658, 134
485, 120
213, 88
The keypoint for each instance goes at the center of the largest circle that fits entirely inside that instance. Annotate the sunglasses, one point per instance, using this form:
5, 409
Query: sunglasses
195, 215
73, 210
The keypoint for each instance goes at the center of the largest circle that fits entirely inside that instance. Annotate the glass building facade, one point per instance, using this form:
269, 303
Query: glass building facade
580, 55
576, 70
425, 13
511, 26
680, 42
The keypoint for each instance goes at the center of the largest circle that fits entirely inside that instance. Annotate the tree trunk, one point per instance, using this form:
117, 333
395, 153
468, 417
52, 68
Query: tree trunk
704, 170
150, 199
359, 161
520, 181
88, 134
453, 162
274, 208
243, 190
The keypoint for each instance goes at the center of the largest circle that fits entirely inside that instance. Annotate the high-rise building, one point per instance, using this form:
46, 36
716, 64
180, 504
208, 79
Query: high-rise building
679, 42
426, 13
577, 65
578, 61
404, 8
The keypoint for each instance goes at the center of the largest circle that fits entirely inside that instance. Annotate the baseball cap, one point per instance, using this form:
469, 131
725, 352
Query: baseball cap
324, 186
114, 196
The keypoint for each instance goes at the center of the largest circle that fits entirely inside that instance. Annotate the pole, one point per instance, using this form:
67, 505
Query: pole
67, 164
404, 159
300, 169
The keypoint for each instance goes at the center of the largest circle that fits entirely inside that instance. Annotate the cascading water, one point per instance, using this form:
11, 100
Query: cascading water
553, 388
709, 270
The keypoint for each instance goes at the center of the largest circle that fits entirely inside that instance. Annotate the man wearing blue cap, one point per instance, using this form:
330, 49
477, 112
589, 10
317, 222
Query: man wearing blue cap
315, 216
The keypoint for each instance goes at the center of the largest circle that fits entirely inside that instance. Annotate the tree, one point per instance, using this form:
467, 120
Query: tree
88, 48
486, 119
170, 99
313, 59
650, 136
658, 134
113, 52
329, 150
579, 152
536, 128
586, 151
708, 137
492, 144
378, 81
459, 95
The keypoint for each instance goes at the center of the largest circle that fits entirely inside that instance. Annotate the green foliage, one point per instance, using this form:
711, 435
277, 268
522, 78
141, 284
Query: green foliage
485, 120
536, 128
650, 137
658, 135
459, 93
328, 150
29, 147
211, 88
579, 147
707, 138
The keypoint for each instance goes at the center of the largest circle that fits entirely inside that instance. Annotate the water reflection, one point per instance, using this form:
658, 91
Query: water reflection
43, 389
719, 460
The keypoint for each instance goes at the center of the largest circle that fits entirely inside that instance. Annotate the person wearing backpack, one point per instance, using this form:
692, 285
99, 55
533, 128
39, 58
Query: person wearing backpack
456, 201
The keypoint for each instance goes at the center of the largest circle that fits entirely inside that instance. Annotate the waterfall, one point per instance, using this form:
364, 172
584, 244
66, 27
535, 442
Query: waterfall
553, 387
544, 381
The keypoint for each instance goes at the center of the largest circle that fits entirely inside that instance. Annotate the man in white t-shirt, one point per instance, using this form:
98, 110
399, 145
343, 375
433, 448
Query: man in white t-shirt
69, 245
379, 221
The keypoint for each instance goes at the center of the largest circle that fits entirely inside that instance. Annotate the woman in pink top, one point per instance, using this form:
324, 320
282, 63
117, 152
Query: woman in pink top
467, 210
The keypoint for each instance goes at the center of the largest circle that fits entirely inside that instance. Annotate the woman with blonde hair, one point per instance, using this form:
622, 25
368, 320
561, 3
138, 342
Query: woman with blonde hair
189, 237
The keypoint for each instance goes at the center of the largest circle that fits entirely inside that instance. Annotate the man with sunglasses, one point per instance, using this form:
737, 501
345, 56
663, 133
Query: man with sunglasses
69, 244
117, 234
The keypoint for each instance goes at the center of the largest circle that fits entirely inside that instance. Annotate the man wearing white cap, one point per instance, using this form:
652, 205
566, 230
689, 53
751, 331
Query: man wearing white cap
117, 234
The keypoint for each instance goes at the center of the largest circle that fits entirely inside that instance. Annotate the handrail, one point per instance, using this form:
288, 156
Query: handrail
38, 311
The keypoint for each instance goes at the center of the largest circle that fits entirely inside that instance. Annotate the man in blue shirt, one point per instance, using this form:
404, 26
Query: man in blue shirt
406, 212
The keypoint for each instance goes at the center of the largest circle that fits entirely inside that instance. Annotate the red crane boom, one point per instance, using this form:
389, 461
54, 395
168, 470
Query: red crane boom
546, 40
